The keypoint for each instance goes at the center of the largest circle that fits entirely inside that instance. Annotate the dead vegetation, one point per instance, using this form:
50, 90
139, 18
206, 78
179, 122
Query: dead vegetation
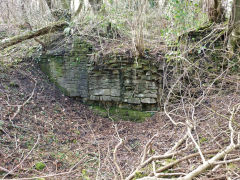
46, 135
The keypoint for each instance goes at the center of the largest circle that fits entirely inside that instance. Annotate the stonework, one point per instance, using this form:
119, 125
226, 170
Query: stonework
125, 82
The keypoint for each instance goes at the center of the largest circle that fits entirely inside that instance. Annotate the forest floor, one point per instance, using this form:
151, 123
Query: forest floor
46, 135
58, 133
58, 137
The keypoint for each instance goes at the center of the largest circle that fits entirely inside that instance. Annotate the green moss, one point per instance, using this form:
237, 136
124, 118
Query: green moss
112, 61
137, 66
203, 139
85, 174
168, 161
40, 166
57, 67
13, 84
54, 69
139, 175
81, 47
231, 166
121, 113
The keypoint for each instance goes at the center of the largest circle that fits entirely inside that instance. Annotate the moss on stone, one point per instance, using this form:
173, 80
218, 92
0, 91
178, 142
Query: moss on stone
121, 113
52, 67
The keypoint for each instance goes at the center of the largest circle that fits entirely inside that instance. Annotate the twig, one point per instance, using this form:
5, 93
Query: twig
169, 174
210, 162
168, 97
5, 170
153, 158
177, 144
38, 177
19, 107
11, 171
115, 158
155, 178
146, 148
99, 152
52, 175
183, 159
227, 161
189, 129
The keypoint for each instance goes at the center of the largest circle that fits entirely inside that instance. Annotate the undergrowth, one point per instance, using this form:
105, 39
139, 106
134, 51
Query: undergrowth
117, 114
141, 24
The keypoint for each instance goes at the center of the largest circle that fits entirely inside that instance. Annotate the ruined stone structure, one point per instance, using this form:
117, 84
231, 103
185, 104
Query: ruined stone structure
125, 82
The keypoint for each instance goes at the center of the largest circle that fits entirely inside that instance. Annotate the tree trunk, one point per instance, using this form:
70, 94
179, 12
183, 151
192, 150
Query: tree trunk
216, 11
95, 4
66, 4
49, 3
235, 36
17, 39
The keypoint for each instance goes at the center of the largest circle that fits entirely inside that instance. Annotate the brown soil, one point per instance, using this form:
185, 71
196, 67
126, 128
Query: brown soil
72, 136
69, 131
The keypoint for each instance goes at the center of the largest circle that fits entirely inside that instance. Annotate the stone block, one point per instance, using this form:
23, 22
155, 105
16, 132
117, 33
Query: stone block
105, 98
148, 73
148, 78
115, 92
149, 95
148, 100
94, 98
140, 95
150, 91
128, 94
101, 92
116, 99
134, 101
138, 81
127, 82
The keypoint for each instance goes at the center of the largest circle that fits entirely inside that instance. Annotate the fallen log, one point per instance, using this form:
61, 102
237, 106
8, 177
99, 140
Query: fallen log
32, 34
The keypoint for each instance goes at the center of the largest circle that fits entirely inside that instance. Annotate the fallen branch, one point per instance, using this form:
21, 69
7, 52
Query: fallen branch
168, 154
200, 168
170, 174
183, 159
177, 144
115, 158
151, 159
210, 162
146, 148
227, 161
232, 146
115, 154
45, 30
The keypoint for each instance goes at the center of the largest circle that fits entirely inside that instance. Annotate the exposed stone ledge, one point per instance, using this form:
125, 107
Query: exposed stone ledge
117, 80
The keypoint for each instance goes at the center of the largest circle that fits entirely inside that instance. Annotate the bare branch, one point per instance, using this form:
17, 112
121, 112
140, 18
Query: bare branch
115, 158
45, 30
146, 148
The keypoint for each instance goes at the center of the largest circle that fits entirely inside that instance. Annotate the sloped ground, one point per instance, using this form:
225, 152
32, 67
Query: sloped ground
61, 132
46, 134
60, 138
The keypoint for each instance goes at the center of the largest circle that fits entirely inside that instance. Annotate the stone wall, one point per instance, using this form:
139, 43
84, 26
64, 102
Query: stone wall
67, 68
125, 82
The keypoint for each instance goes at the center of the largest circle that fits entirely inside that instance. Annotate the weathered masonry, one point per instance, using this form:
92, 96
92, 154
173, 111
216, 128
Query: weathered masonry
125, 82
